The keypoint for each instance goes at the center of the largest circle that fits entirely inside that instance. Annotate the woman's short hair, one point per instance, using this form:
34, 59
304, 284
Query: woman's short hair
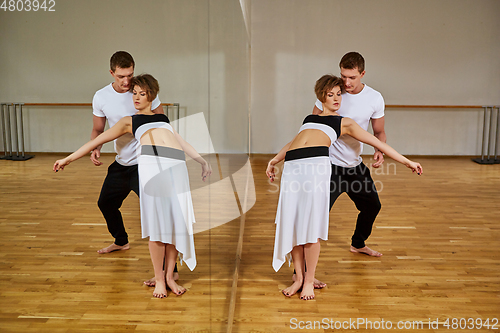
148, 83
327, 83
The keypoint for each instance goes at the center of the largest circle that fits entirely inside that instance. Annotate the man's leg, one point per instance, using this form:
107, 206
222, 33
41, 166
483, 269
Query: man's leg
363, 193
337, 184
115, 189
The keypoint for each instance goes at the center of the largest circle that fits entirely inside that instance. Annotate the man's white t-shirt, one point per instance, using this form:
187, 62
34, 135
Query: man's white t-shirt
361, 107
114, 106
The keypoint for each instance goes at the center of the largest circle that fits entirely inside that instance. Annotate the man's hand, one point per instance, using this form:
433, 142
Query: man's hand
379, 132
94, 157
379, 158
316, 110
97, 129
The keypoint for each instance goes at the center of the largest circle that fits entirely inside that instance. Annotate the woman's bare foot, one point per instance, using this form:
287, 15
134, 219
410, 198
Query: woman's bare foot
317, 283
160, 290
113, 247
292, 290
176, 289
152, 282
366, 250
307, 291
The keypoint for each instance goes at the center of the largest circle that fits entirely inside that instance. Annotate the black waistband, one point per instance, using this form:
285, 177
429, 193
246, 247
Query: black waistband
163, 152
306, 152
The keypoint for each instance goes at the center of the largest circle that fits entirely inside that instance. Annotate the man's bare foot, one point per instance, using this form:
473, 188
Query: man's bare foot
365, 250
113, 247
160, 290
317, 283
152, 282
176, 289
292, 290
307, 291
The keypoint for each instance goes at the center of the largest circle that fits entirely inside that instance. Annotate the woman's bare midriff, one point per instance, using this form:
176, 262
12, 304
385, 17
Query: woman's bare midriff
310, 138
160, 137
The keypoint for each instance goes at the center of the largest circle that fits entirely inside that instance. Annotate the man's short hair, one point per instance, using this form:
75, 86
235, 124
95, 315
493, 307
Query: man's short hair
325, 84
148, 83
353, 60
121, 59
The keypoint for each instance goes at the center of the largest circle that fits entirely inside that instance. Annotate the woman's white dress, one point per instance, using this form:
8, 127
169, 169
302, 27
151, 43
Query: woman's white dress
303, 210
167, 213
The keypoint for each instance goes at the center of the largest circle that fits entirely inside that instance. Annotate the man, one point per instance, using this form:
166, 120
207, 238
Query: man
349, 174
112, 103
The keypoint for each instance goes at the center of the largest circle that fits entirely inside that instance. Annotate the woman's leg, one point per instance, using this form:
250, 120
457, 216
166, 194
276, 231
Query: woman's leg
157, 253
170, 258
298, 263
311, 255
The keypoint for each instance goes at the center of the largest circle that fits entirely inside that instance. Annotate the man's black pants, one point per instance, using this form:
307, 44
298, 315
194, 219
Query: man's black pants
358, 184
119, 181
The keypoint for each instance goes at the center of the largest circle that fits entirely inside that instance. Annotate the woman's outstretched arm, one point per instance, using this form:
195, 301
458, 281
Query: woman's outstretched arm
121, 127
206, 169
276, 159
350, 127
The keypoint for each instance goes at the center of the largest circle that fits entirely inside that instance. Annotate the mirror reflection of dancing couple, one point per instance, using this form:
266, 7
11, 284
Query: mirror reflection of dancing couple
150, 161
329, 139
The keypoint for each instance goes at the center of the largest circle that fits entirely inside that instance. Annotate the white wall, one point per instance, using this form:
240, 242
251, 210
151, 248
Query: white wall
229, 77
417, 52
63, 56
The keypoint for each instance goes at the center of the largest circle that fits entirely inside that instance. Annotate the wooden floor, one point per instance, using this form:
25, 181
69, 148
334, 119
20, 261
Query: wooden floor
439, 235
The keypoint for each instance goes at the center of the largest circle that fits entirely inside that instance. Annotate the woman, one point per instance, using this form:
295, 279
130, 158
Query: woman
303, 207
166, 208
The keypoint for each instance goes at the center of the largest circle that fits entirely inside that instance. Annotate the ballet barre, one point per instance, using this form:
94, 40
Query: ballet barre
491, 127
13, 131
167, 105
490, 137
404, 106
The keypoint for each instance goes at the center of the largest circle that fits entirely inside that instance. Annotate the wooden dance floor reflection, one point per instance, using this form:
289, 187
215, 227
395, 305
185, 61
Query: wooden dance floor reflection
438, 233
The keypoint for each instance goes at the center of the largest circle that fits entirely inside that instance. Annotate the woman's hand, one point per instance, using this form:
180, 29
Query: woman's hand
415, 167
206, 170
270, 170
60, 164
